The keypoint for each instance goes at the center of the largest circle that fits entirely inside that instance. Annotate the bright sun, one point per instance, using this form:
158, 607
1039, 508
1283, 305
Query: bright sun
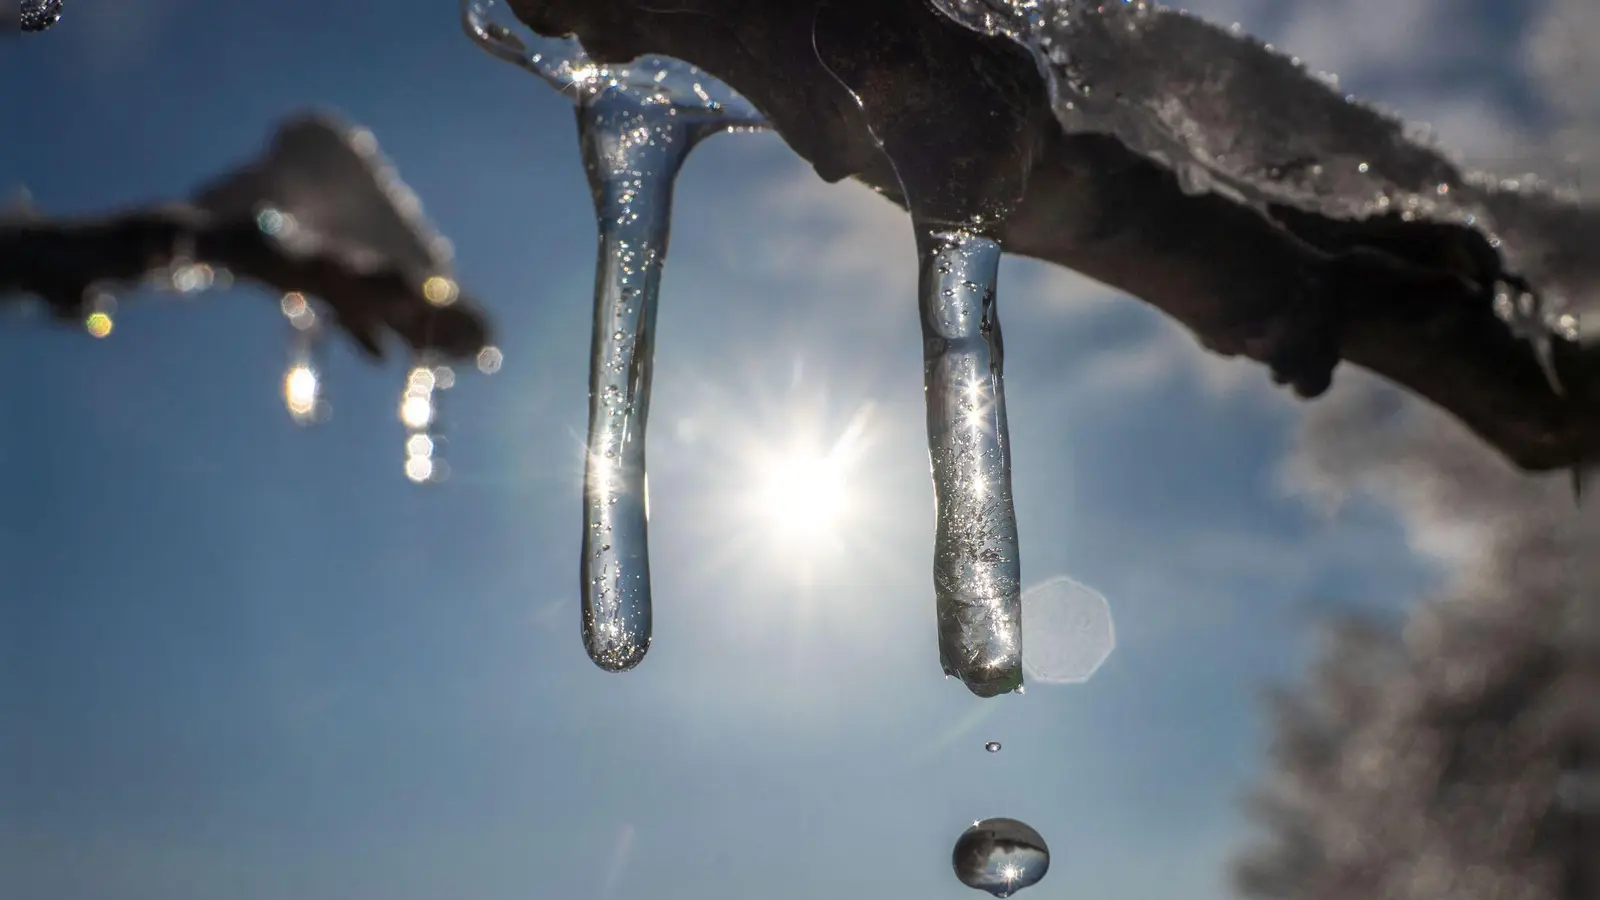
802, 496
803, 493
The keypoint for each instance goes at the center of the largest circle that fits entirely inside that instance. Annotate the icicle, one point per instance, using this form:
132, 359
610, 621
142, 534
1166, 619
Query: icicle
1524, 311
636, 125
632, 154
976, 571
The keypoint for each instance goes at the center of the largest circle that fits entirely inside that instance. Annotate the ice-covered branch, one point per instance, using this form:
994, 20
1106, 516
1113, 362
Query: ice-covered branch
320, 213
60, 261
1253, 234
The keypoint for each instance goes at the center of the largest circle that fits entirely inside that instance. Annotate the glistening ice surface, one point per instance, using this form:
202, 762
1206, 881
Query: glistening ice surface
1230, 115
976, 570
636, 126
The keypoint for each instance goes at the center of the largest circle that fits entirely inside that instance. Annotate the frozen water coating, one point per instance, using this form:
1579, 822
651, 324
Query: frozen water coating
680, 89
636, 126
1230, 115
373, 219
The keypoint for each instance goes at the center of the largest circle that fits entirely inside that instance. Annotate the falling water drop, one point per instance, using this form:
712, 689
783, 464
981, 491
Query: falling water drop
1001, 856
490, 359
976, 569
992, 746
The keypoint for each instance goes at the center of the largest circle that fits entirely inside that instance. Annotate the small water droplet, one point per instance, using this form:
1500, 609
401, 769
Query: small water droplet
490, 360
992, 746
1001, 856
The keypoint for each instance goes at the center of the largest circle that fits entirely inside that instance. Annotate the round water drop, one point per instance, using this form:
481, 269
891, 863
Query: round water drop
992, 746
1067, 632
1001, 856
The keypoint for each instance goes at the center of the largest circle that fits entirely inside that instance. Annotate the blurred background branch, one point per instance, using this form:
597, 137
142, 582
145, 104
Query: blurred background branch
319, 214
1454, 752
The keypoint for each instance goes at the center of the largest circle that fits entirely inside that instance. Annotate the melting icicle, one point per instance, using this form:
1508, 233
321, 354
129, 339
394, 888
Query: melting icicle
976, 571
631, 166
977, 576
636, 126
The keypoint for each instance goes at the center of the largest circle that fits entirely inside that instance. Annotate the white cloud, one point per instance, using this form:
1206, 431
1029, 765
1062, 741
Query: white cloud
1561, 58
1560, 55
1350, 37
833, 236
1169, 354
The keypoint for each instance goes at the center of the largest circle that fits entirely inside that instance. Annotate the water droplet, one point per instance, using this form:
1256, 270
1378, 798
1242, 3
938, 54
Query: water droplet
489, 360
100, 320
1067, 631
298, 311
301, 387
416, 411
98, 324
419, 468
1001, 856
992, 746
440, 291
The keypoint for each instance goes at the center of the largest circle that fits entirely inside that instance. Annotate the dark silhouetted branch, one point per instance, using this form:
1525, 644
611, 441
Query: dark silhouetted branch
1410, 300
320, 213
61, 261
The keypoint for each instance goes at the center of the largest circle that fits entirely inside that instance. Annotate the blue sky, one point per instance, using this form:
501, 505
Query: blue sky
239, 658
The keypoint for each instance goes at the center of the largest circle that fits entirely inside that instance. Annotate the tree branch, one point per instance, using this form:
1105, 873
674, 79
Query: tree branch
1298, 291
60, 261
342, 228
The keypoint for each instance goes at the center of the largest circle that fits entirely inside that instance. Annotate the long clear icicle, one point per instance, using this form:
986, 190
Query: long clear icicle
636, 126
976, 569
632, 154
